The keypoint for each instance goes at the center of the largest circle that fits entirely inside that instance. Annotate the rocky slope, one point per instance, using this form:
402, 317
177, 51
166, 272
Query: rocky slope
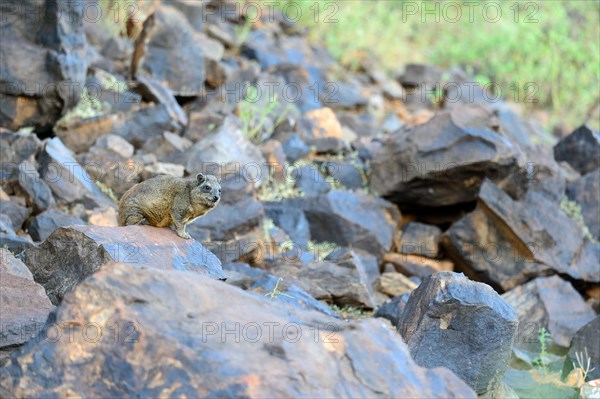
342, 193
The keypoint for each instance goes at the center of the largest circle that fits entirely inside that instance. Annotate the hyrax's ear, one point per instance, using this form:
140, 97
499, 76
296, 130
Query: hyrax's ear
200, 177
219, 180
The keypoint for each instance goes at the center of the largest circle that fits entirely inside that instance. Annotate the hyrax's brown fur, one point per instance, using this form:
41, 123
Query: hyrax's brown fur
164, 201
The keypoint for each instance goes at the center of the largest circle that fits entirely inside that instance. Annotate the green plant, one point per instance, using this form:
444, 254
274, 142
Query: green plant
573, 210
321, 250
87, 107
243, 31
276, 292
254, 117
351, 312
279, 189
541, 362
107, 191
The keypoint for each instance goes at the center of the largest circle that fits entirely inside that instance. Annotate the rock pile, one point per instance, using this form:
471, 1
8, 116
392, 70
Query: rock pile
344, 195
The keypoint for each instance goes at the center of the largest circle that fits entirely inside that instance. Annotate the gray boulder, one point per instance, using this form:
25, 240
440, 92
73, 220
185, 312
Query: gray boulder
450, 321
551, 303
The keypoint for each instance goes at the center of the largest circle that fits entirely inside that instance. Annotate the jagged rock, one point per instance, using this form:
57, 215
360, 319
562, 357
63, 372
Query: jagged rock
541, 174
265, 284
444, 161
512, 126
505, 242
585, 192
115, 144
41, 226
394, 284
140, 126
291, 220
450, 321
71, 254
43, 62
152, 90
224, 151
168, 147
15, 243
310, 181
347, 173
345, 277
321, 128
551, 303
168, 51
24, 303
581, 149
293, 146
16, 213
393, 309
39, 195
162, 168
351, 218
79, 135
418, 239
180, 318
585, 343
15, 148
69, 182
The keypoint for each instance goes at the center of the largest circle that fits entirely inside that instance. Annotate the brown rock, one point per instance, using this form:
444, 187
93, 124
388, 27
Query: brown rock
168, 51
505, 242
324, 123
212, 340
394, 284
24, 303
418, 266
71, 254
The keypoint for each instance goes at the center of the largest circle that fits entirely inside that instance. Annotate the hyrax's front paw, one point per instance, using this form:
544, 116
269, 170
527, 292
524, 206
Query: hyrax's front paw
184, 234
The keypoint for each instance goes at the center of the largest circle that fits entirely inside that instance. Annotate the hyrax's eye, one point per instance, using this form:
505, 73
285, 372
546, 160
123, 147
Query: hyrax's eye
206, 188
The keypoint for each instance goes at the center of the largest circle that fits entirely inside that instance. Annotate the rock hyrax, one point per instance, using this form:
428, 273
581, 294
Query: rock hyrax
164, 201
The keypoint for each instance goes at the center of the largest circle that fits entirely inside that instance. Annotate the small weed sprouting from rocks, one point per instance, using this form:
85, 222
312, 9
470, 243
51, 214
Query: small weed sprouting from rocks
277, 190
107, 191
542, 362
254, 117
573, 210
320, 249
276, 292
351, 312
87, 107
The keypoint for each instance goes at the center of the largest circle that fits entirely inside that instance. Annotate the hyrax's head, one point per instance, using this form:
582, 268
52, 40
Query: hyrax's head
208, 190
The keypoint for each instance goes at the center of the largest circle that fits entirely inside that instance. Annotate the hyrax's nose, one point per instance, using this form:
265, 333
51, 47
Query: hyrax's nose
215, 198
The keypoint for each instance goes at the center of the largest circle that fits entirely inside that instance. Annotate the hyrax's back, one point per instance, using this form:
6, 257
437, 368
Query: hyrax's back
150, 200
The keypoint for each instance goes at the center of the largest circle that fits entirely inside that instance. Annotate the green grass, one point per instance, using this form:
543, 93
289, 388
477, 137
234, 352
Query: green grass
549, 52
255, 116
